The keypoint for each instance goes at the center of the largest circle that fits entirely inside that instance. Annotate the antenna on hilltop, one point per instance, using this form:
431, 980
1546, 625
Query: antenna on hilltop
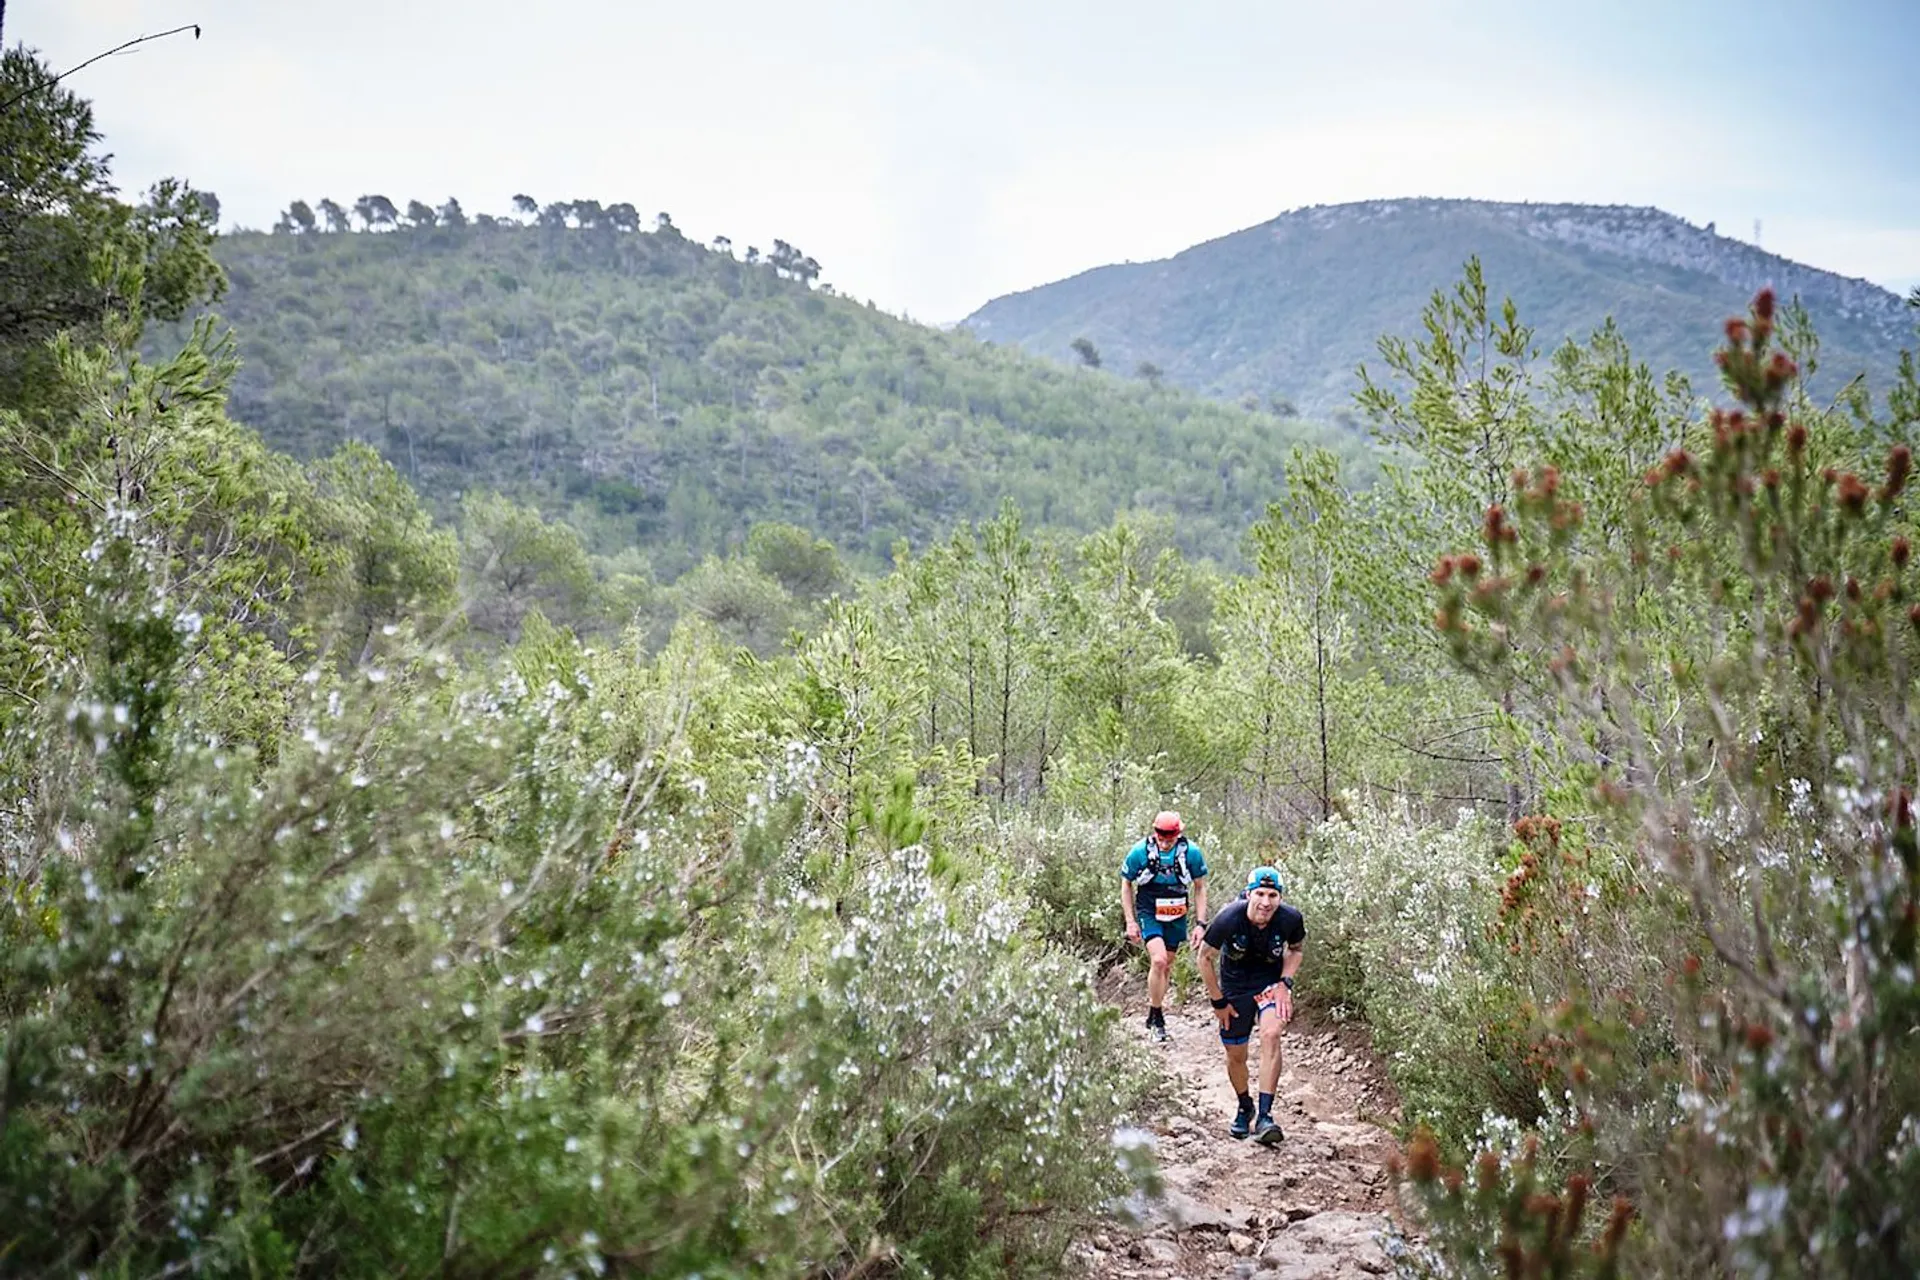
1756, 233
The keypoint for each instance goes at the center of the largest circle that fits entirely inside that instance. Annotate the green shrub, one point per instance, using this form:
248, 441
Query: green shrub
509, 976
1070, 873
1399, 922
1728, 676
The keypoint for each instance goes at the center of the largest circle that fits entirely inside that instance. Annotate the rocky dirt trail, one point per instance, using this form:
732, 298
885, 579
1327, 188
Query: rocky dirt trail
1309, 1209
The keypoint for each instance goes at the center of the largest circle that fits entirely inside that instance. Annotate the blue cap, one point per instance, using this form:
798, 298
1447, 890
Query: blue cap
1265, 878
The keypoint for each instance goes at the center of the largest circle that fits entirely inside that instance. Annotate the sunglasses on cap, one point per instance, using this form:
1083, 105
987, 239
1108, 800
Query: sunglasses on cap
1163, 831
1264, 878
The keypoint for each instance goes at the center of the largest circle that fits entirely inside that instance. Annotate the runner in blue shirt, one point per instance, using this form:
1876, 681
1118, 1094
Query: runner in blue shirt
1163, 884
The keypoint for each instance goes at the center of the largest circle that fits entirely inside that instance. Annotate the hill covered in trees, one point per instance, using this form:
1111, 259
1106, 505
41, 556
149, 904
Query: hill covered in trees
663, 393
1287, 310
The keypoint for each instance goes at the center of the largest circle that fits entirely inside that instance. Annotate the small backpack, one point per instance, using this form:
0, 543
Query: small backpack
1157, 862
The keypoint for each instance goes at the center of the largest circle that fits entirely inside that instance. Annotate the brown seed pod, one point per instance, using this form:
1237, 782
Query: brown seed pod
1899, 467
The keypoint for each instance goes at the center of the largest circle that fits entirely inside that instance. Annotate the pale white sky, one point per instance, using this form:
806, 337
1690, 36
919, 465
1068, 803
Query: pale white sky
933, 155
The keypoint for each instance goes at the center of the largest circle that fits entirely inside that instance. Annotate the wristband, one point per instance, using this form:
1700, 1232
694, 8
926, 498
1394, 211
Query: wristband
1222, 1003
1288, 982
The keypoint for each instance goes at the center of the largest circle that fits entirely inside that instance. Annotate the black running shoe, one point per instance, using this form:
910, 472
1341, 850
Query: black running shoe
1242, 1122
1266, 1132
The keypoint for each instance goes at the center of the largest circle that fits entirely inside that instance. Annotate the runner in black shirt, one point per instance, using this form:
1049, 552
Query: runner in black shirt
1263, 940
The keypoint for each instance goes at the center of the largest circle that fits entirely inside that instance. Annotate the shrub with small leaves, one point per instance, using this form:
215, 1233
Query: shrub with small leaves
1400, 919
1733, 682
509, 972
1506, 1216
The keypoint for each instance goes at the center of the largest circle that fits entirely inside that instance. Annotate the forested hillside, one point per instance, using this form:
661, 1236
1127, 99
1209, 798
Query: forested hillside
663, 393
1285, 311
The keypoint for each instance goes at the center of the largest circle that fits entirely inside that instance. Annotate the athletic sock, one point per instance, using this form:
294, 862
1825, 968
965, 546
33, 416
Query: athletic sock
1266, 1104
1156, 1016
1246, 1102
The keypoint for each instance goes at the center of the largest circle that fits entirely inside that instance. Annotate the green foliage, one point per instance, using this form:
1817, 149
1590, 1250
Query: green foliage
423, 989
983, 612
1747, 745
1401, 917
742, 603
77, 259
1291, 648
1467, 415
1542, 1229
241, 540
513, 561
401, 566
671, 397
808, 568
1128, 670
325, 950
1070, 869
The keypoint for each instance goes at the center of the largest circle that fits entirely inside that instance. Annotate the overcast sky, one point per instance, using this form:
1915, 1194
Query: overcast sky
935, 153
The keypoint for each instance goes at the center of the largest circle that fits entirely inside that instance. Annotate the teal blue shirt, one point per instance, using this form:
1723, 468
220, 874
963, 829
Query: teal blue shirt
1166, 880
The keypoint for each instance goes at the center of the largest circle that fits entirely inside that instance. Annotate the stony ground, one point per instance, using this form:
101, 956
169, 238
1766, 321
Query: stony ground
1308, 1209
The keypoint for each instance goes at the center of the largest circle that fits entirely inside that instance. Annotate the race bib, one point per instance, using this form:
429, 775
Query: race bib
1170, 909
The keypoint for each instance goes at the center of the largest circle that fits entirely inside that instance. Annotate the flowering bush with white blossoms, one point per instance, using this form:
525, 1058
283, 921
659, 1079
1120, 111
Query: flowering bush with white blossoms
513, 975
967, 1071
1399, 925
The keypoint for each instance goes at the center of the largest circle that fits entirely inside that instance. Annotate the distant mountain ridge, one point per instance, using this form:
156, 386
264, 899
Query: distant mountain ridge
1656, 236
1286, 310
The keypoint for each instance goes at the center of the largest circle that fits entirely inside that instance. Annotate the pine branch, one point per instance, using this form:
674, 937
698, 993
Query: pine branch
51, 81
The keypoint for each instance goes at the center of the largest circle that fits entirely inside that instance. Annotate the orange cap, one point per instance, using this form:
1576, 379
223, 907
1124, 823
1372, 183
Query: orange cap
1167, 822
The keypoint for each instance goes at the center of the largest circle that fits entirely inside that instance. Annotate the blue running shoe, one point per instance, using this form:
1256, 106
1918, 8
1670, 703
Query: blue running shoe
1242, 1121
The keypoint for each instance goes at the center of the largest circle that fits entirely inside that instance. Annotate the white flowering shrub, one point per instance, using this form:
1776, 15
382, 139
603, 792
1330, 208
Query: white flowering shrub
966, 1072
1399, 925
510, 975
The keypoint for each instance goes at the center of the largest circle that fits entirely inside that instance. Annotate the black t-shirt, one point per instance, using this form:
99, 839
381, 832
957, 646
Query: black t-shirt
1253, 957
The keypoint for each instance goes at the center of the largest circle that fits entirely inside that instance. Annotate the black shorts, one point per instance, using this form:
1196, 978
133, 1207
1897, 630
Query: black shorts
1246, 1014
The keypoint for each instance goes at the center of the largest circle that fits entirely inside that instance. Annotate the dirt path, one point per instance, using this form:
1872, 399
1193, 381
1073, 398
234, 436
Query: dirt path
1308, 1209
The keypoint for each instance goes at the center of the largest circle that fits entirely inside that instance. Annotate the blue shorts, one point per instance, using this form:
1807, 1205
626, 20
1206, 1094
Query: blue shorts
1247, 1012
1171, 932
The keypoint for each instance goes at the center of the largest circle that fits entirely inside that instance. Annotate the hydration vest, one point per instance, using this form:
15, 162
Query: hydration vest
1157, 862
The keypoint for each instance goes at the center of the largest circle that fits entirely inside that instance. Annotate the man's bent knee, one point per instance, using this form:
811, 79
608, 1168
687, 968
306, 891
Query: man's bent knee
1161, 961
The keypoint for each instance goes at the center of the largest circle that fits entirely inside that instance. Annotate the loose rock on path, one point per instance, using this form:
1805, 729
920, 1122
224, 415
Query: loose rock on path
1309, 1209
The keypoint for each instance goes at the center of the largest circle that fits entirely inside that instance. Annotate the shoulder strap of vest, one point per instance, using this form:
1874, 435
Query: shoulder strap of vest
1156, 863
1151, 866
